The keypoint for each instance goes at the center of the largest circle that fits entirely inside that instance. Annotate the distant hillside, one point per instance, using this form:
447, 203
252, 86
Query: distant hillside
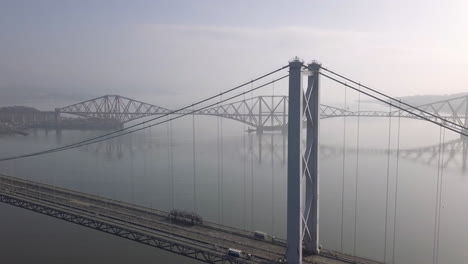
426, 99
22, 109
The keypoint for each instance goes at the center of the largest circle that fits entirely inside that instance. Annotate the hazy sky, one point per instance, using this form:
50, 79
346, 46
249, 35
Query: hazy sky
172, 52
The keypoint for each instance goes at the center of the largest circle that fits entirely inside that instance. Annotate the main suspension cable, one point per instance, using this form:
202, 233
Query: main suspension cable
387, 96
398, 106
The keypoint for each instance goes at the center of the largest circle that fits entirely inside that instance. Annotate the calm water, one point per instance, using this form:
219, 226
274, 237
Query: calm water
238, 179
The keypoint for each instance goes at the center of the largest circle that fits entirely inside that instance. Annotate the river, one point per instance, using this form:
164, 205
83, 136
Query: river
239, 179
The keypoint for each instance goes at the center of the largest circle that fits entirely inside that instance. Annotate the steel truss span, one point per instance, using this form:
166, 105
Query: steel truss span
264, 113
113, 107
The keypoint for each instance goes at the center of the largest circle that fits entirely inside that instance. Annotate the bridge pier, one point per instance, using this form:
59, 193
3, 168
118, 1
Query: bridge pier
464, 131
465, 147
57, 118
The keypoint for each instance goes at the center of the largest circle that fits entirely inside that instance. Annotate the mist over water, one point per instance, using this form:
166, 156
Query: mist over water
240, 181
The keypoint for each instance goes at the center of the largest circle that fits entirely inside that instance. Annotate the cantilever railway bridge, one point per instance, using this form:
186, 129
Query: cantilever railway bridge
299, 114
263, 113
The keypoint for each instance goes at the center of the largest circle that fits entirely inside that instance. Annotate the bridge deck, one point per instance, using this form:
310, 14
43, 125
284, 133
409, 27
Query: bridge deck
208, 242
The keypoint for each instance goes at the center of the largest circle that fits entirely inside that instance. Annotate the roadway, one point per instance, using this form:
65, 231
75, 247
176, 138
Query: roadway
208, 242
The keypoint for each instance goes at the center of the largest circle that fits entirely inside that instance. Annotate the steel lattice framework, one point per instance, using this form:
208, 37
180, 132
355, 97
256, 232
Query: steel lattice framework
114, 107
263, 113
453, 110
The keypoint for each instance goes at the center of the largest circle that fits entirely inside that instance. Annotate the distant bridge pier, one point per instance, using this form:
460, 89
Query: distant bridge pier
465, 124
57, 118
464, 154
261, 129
58, 136
464, 131
465, 145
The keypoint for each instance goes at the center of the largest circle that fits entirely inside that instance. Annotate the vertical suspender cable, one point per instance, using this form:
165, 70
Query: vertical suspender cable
440, 195
168, 165
251, 152
357, 173
436, 206
96, 163
343, 172
171, 206
132, 172
219, 168
244, 165
151, 164
396, 187
388, 181
251, 172
272, 163
146, 142
221, 164
172, 165
194, 168
438, 198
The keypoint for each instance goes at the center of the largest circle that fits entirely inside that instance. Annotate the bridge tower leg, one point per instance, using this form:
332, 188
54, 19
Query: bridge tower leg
312, 113
302, 210
295, 192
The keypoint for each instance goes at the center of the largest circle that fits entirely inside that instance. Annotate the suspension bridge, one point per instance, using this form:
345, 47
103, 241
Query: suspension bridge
298, 116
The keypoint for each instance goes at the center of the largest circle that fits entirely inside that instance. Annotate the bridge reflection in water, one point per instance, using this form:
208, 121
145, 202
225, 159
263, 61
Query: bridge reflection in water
273, 147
